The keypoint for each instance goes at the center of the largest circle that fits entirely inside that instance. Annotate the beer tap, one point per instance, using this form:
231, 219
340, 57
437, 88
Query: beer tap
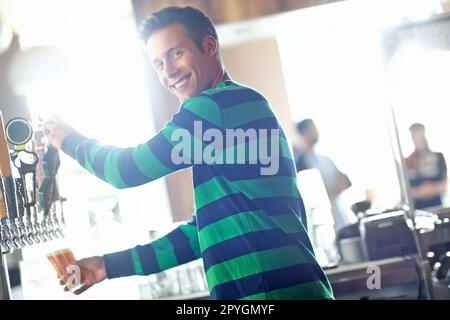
48, 192
39, 148
19, 196
25, 162
19, 133
37, 227
61, 204
56, 197
33, 225
56, 223
5, 235
20, 191
13, 210
9, 191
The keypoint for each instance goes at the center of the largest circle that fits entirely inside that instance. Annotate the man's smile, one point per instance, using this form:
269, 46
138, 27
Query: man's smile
180, 83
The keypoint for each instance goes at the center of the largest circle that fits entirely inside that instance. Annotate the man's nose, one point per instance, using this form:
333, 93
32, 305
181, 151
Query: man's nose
171, 70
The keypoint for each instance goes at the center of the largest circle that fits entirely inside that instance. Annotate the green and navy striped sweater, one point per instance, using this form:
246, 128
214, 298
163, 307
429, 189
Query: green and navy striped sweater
249, 228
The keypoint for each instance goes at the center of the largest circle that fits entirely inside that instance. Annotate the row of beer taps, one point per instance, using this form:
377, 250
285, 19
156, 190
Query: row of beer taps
31, 209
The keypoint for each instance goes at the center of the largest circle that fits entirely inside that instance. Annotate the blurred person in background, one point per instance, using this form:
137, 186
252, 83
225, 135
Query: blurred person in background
334, 180
427, 171
11, 103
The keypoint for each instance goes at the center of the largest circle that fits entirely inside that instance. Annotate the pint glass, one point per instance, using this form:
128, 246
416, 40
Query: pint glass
64, 262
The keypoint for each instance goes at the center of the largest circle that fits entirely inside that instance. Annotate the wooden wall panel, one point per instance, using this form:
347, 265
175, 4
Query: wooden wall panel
142, 8
259, 8
179, 185
226, 11
247, 63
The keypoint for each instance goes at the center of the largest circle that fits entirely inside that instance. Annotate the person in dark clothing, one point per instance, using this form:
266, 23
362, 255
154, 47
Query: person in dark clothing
427, 171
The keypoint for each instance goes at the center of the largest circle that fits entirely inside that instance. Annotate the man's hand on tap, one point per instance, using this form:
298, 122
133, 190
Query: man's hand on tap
57, 130
92, 271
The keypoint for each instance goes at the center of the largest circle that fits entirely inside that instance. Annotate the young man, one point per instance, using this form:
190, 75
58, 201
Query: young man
249, 224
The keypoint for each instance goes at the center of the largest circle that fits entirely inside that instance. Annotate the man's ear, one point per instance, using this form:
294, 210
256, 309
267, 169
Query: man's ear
210, 45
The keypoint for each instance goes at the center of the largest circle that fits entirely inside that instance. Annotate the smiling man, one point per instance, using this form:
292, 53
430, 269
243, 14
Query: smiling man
248, 227
186, 63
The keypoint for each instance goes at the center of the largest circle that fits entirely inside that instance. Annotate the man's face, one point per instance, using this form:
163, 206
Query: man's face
181, 67
312, 134
419, 139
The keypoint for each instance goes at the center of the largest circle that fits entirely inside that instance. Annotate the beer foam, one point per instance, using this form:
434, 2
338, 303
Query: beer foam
59, 251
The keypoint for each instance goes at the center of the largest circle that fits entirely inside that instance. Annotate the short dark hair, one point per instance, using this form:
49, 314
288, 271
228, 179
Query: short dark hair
416, 127
303, 125
197, 24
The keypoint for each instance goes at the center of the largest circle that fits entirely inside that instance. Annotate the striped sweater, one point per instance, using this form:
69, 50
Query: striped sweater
249, 228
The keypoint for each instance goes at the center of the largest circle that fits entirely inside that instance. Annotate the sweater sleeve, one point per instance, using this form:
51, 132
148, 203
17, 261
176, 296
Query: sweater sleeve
173, 148
177, 247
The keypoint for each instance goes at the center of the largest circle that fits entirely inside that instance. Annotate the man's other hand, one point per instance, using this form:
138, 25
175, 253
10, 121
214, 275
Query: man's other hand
92, 271
57, 130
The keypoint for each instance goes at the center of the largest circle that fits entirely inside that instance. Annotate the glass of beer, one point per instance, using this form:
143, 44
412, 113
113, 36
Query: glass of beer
64, 262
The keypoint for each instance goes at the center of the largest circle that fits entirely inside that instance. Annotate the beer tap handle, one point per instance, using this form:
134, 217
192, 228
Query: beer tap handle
25, 162
19, 132
48, 191
61, 203
9, 189
52, 229
31, 233
4, 234
16, 237
7, 246
57, 224
5, 238
38, 231
45, 227
8, 205
24, 236
4, 247
10, 194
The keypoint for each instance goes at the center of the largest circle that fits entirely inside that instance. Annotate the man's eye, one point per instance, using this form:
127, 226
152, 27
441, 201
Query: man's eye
177, 54
158, 66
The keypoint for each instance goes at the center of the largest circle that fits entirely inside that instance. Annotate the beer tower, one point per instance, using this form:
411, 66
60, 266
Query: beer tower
24, 221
